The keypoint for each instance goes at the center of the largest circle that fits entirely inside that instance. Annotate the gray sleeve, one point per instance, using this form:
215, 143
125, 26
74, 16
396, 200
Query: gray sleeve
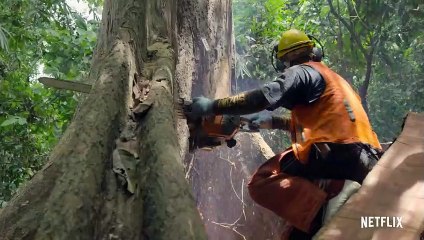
300, 84
272, 92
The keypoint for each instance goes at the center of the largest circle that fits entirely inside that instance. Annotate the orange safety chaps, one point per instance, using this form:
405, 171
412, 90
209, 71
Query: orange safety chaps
293, 198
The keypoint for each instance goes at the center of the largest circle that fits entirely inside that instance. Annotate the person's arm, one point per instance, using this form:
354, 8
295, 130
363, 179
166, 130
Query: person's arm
297, 85
243, 103
300, 84
268, 121
282, 123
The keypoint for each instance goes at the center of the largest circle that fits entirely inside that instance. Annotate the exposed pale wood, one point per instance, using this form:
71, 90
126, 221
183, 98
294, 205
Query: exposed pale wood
395, 187
263, 147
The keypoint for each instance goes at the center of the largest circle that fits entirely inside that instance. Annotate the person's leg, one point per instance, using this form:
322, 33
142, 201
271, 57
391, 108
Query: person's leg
344, 161
291, 166
290, 196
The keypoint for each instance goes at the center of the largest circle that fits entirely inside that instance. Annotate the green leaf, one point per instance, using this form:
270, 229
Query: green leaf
13, 120
3, 39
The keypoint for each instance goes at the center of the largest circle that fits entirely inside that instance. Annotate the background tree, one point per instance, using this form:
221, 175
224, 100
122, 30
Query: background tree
33, 35
374, 44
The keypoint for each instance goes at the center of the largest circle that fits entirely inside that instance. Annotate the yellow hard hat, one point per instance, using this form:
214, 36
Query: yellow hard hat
291, 40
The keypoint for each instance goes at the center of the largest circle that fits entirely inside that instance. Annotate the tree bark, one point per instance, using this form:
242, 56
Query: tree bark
117, 172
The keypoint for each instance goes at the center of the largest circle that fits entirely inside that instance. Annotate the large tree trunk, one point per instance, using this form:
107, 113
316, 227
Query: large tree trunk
117, 172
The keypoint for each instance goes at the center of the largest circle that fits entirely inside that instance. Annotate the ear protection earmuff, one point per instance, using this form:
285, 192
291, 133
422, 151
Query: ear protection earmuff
279, 66
317, 53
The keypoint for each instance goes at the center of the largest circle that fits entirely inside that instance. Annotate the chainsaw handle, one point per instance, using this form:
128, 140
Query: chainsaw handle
246, 122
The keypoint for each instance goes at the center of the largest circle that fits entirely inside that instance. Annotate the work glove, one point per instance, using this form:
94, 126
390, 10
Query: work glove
201, 106
259, 121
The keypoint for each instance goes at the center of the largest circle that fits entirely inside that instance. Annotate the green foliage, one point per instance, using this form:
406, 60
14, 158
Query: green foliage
3, 38
385, 33
13, 120
36, 33
257, 25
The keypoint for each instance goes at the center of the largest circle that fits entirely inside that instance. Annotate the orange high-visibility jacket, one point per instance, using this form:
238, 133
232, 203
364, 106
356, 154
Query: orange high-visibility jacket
337, 117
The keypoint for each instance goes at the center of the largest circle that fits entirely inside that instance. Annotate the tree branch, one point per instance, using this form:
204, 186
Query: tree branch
374, 42
352, 10
348, 26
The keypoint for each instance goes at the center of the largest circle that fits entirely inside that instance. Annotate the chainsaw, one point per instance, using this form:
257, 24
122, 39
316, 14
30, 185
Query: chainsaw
211, 131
